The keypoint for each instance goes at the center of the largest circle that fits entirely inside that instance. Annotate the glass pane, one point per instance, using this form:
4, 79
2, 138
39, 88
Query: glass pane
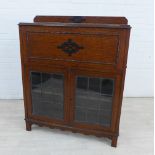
94, 100
47, 94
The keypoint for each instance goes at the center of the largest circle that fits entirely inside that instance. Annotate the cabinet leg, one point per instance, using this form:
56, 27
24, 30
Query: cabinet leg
118, 130
28, 126
114, 142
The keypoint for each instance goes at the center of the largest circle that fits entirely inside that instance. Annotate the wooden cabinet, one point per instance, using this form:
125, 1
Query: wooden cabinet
73, 71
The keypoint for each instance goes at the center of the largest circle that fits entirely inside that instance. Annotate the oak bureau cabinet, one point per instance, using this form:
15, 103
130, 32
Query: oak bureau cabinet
73, 71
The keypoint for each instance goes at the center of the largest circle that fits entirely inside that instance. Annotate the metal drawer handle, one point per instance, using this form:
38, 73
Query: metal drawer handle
70, 47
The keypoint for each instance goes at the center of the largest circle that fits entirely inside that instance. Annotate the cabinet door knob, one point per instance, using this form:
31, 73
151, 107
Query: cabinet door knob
70, 47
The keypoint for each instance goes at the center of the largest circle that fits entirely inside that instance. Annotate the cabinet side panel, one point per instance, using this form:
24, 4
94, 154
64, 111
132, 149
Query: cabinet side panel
22, 35
126, 34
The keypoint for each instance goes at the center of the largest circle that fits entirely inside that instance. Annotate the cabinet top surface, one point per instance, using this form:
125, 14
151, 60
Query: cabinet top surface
79, 21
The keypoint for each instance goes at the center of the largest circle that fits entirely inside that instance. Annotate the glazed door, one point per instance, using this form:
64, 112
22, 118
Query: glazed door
47, 95
95, 97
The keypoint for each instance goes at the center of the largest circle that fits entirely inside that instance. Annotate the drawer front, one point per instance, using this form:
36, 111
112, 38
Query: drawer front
81, 47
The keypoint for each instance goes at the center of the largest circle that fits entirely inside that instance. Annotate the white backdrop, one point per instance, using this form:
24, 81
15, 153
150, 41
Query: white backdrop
139, 78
